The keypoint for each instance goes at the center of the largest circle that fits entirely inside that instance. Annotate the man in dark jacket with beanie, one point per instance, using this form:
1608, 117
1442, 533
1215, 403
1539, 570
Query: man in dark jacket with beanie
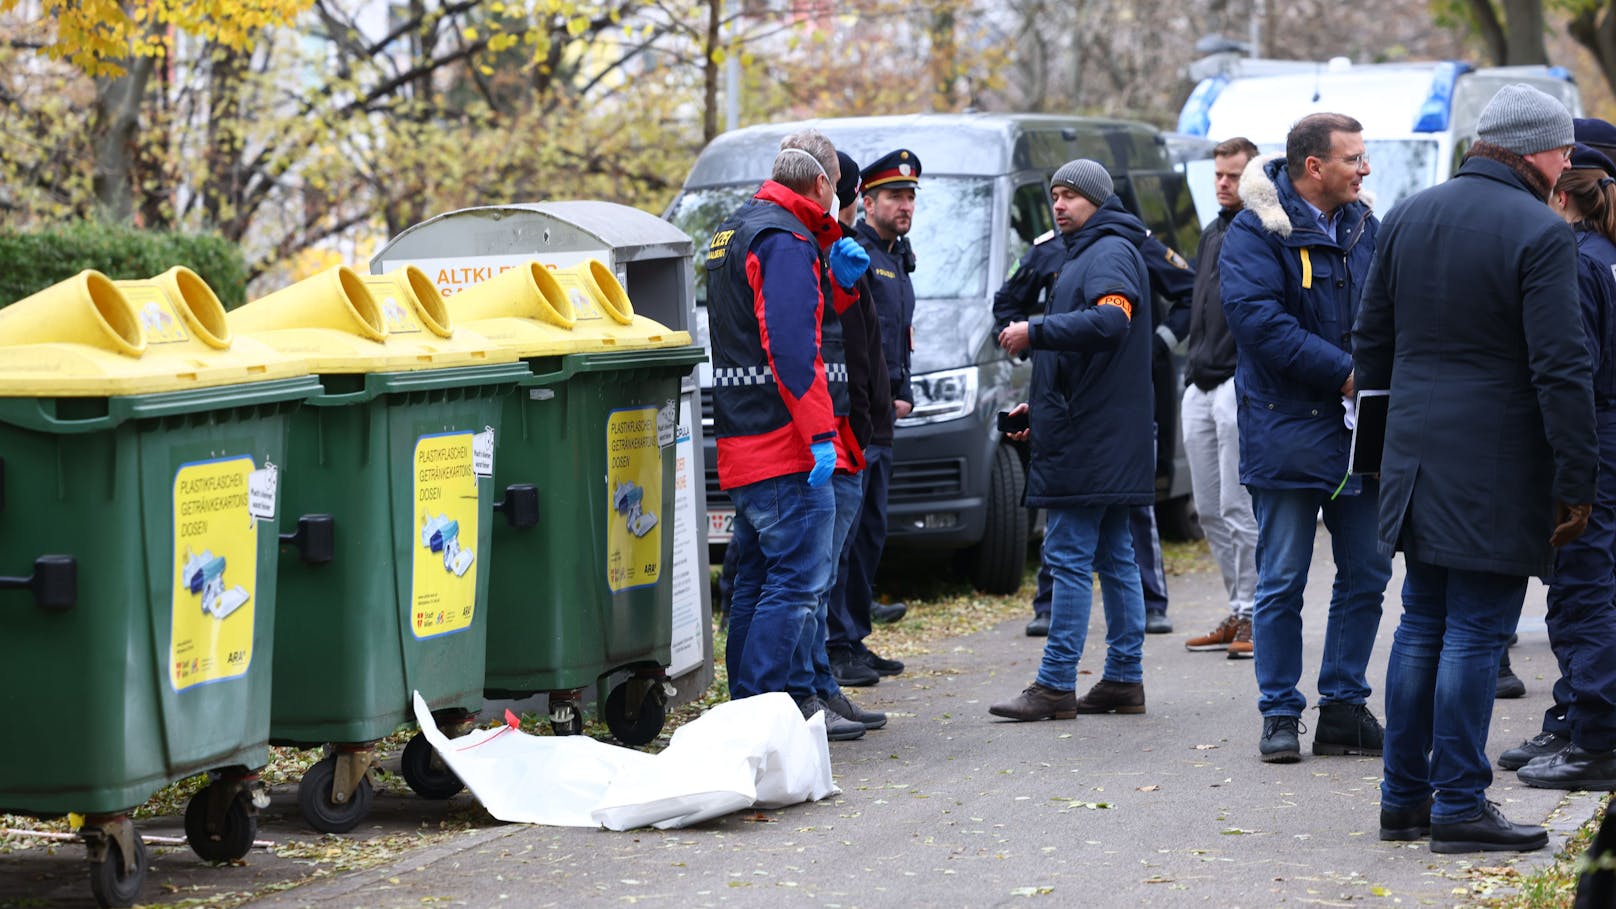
1172, 281
1092, 446
1471, 319
1292, 270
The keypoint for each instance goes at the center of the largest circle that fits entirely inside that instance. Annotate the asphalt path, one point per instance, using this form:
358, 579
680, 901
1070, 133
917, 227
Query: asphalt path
949, 806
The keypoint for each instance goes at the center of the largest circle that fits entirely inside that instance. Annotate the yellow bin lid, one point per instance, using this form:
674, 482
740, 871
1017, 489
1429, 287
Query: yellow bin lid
342, 323
522, 309
603, 315
90, 336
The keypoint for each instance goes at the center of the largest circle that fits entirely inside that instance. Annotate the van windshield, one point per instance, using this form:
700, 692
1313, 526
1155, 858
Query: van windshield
950, 233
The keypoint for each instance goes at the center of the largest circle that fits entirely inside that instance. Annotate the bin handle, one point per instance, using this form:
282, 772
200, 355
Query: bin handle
521, 506
55, 583
315, 538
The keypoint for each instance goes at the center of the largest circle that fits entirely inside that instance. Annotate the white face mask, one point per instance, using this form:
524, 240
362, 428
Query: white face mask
835, 203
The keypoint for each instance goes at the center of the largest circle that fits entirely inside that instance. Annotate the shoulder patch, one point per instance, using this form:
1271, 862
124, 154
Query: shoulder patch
1043, 238
1177, 260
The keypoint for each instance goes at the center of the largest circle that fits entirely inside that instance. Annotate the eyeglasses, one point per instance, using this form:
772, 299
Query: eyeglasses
1355, 161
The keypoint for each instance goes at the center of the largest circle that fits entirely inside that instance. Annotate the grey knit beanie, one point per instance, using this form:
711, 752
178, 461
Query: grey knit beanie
1525, 121
1088, 178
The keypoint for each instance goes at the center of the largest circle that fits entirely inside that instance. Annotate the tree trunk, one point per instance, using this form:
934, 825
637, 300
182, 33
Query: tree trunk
709, 73
1524, 45
1598, 34
1492, 31
222, 194
113, 125
943, 50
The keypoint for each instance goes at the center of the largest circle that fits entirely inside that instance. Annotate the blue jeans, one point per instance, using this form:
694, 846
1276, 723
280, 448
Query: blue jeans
1078, 543
1439, 687
783, 531
1146, 553
853, 592
1286, 525
811, 671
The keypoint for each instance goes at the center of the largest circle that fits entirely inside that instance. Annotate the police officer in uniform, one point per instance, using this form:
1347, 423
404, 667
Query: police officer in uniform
889, 186
1172, 281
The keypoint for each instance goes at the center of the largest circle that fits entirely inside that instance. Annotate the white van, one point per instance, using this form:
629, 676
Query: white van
1419, 118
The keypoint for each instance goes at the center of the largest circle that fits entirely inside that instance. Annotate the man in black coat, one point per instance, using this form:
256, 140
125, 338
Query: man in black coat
1471, 320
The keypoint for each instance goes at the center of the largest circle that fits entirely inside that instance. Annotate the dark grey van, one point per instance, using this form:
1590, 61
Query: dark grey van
956, 482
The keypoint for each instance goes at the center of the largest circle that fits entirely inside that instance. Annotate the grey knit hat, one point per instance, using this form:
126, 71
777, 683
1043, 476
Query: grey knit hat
1525, 120
1088, 178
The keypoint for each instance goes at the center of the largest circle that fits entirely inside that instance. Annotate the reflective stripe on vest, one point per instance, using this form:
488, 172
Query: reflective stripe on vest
762, 375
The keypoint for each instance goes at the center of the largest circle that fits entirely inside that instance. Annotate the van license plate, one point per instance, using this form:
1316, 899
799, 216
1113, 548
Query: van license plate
720, 526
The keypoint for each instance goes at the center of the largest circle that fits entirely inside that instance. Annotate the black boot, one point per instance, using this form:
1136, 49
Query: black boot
1280, 744
1489, 832
1509, 684
1535, 747
1405, 824
1347, 729
1572, 768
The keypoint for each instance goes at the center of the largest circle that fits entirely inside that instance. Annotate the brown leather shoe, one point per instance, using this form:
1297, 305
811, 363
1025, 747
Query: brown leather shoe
1216, 639
1113, 697
1038, 703
1240, 647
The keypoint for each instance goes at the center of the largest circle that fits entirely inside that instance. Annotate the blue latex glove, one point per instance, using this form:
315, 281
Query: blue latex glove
824, 457
848, 261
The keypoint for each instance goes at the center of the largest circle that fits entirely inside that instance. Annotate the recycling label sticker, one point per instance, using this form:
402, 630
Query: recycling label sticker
444, 535
159, 321
482, 452
634, 482
262, 486
215, 572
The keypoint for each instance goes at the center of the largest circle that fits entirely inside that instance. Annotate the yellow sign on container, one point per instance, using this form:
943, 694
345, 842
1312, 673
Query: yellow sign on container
634, 486
215, 571
444, 593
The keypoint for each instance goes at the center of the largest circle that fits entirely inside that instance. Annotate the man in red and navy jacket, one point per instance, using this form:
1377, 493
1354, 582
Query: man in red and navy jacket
780, 408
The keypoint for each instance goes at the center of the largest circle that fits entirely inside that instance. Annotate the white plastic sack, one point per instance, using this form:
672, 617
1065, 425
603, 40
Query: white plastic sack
757, 751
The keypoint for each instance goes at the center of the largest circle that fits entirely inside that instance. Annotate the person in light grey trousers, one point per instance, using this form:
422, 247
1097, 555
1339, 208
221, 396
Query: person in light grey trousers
1210, 421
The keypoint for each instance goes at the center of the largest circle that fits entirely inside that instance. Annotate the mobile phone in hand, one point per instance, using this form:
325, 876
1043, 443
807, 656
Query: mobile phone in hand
1012, 423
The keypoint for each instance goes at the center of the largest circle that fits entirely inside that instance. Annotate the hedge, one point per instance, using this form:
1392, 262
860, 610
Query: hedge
30, 262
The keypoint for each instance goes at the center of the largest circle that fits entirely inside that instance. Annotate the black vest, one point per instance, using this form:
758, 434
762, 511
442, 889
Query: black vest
745, 399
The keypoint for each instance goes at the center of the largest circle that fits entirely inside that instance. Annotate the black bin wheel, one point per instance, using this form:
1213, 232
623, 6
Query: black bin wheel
573, 726
425, 772
319, 811
647, 722
109, 883
236, 832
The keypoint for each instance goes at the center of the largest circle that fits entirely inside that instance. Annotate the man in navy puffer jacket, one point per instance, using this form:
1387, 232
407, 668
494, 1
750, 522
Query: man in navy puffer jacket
1293, 266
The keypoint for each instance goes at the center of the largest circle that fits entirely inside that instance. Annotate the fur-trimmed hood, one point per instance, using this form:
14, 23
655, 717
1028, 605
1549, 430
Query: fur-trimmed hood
1260, 191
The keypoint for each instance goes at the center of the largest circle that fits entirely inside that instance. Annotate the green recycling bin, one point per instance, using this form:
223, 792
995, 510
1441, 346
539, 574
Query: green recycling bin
588, 593
397, 449
140, 453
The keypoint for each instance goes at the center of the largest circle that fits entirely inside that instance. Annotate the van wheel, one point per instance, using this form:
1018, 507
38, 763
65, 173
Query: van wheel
1178, 521
999, 563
